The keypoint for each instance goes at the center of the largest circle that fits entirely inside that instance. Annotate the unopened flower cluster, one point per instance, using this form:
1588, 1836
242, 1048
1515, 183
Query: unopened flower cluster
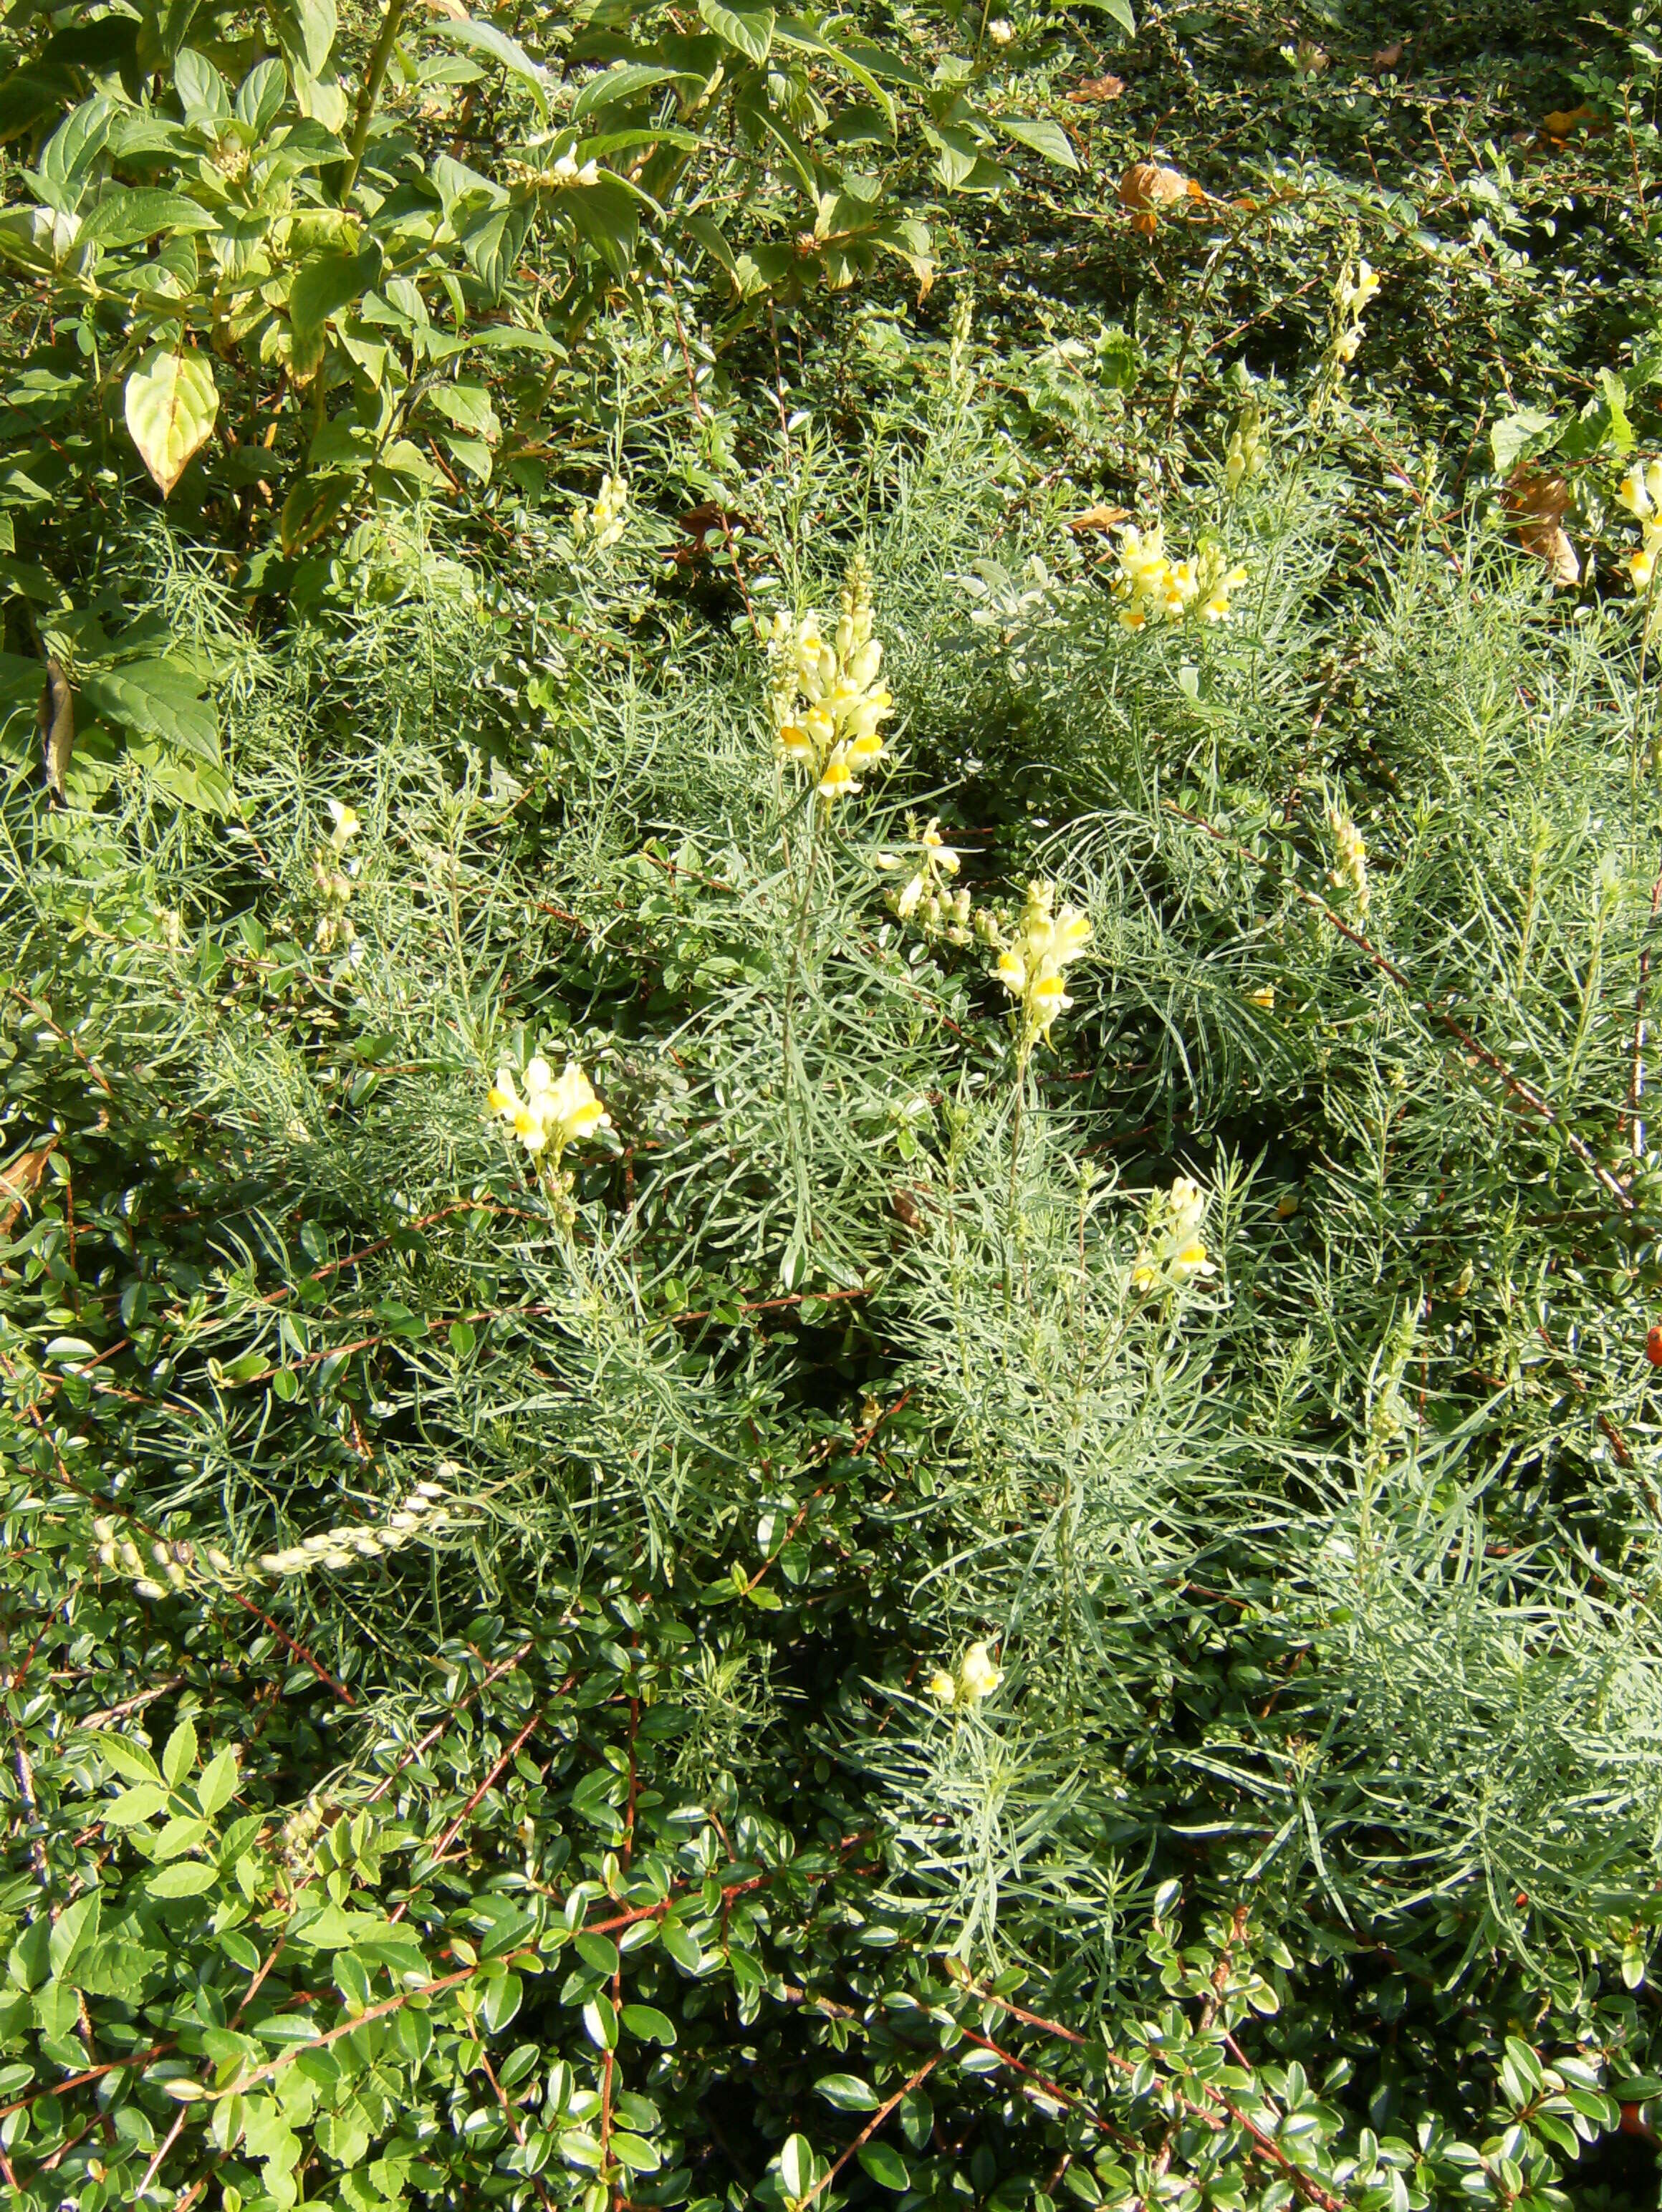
1640, 492
422, 1514
1173, 1252
827, 698
1246, 453
1350, 300
926, 897
602, 524
549, 1114
333, 874
1349, 871
1151, 587
161, 1566
976, 1679
1030, 963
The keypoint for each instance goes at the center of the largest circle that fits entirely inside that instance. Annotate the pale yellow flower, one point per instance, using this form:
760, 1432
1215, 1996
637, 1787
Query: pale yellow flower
825, 697
978, 1676
551, 1114
1031, 966
942, 1687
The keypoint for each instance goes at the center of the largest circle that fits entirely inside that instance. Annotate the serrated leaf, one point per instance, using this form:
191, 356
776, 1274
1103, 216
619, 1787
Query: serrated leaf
141, 1802
218, 1783
170, 404
123, 1756
73, 1928
1043, 136
750, 30
178, 1756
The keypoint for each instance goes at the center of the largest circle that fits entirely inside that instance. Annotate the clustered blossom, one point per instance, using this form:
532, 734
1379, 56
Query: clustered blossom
602, 524
976, 1677
1640, 492
1030, 965
422, 1514
551, 1114
1350, 302
1152, 587
827, 699
924, 897
1350, 872
1172, 1251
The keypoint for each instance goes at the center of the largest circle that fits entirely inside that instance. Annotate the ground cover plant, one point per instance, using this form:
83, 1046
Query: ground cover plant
829, 1225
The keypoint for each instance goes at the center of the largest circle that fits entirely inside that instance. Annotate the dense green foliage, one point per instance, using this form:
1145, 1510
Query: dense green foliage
1032, 1573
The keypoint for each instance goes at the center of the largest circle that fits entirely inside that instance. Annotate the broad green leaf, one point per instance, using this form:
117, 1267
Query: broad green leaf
682, 1945
179, 1755
636, 2153
796, 2165
647, 2025
848, 2093
1043, 136
185, 1878
170, 404
141, 1802
486, 39
125, 215
1519, 436
73, 1928
322, 287
123, 1756
68, 155
886, 2167
201, 88
260, 97
218, 1783
157, 699
749, 29
598, 1951
622, 81
1119, 9
501, 2002
310, 26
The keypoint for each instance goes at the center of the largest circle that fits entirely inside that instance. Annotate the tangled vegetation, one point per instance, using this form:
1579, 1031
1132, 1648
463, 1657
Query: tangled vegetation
829, 1221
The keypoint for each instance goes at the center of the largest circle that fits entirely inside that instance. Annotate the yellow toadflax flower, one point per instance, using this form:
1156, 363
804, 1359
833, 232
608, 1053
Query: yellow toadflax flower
978, 1676
942, 1688
601, 524
1152, 587
825, 698
551, 1114
1640, 492
1173, 1252
1029, 966
1350, 872
1355, 288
